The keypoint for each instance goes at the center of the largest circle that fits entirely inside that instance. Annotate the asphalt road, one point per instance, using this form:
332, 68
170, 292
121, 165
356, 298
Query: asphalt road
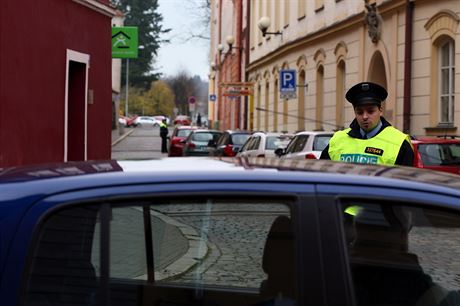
139, 143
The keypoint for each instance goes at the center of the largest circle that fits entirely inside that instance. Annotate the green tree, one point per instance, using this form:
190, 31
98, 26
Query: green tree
143, 14
160, 99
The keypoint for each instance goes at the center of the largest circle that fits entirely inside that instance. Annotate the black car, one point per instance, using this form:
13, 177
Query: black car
229, 143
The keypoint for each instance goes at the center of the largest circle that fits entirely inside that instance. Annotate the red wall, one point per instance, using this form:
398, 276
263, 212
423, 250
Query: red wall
34, 37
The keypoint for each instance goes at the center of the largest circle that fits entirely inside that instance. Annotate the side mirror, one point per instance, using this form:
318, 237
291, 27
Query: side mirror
279, 152
236, 149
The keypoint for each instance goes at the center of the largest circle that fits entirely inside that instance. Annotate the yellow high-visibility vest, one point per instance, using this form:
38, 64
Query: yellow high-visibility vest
380, 149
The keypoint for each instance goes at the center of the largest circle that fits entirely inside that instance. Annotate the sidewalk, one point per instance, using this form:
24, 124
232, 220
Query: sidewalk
120, 133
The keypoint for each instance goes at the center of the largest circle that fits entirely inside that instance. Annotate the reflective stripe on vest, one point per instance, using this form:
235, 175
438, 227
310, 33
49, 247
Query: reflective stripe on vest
383, 148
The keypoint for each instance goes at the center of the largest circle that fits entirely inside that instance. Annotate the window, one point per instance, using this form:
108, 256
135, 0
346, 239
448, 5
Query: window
166, 252
402, 255
297, 144
447, 84
320, 142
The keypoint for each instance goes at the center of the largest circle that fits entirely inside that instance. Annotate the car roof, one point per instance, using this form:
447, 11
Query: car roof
60, 177
314, 133
437, 140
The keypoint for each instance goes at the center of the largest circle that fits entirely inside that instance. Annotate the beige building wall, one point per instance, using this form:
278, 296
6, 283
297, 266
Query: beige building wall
331, 37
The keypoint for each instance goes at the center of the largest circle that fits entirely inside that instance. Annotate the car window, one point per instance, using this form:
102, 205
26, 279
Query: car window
274, 142
297, 144
223, 140
247, 144
255, 143
320, 142
205, 136
198, 248
239, 139
402, 255
440, 154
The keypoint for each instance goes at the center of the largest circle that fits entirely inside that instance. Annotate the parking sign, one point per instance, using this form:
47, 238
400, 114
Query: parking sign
288, 84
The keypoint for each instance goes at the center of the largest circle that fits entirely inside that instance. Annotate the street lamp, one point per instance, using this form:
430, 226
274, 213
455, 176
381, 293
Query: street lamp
230, 41
264, 24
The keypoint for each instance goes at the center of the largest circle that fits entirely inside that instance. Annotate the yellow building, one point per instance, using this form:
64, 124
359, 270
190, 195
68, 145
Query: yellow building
409, 47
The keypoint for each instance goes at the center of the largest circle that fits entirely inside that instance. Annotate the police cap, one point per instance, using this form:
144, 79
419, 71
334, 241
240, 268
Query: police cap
366, 93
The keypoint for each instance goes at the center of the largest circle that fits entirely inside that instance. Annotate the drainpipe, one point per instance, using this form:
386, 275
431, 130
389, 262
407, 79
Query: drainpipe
246, 61
408, 66
239, 28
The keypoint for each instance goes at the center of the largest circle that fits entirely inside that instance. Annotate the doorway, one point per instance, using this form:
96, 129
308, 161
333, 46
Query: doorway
75, 143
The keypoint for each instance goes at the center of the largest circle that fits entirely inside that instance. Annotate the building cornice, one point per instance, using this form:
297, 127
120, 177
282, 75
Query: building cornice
98, 7
351, 21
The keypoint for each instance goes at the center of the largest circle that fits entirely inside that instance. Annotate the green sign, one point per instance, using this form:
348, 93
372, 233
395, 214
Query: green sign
124, 42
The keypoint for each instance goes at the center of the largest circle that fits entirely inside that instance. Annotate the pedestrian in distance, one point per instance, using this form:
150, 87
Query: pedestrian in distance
164, 136
198, 120
370, 139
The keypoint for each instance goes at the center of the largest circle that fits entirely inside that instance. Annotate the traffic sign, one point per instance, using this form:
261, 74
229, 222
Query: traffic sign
288, 84
212, 97
191, 100
124, 42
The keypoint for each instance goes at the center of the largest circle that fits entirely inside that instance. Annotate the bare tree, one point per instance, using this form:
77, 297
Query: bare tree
200, 13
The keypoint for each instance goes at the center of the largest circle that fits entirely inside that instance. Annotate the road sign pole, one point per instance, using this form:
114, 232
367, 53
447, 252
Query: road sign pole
127, 86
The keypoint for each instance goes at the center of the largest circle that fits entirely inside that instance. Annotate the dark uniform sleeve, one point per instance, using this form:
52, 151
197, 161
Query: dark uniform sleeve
325, 153
405, 155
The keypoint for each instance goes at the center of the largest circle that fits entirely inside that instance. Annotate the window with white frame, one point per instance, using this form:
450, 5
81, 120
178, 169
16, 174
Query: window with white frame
446, 86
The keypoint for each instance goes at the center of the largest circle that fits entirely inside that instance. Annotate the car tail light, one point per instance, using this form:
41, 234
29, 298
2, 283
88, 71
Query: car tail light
192, 145
310, 156
228, 150
261, 155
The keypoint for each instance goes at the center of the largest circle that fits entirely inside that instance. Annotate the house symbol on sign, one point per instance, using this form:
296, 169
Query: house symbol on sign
121, 40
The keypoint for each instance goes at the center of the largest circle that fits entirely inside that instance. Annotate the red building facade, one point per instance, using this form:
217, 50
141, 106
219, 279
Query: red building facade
55, 81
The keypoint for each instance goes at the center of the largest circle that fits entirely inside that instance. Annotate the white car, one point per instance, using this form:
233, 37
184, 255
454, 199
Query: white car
147, 121
261, 144
306, 145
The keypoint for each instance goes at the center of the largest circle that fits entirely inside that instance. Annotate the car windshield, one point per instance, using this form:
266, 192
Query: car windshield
239, 139
205, 136
435, 154
320, 142
275, 142
183, 133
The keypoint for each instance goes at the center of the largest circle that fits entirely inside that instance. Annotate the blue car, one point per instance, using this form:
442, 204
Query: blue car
201, 231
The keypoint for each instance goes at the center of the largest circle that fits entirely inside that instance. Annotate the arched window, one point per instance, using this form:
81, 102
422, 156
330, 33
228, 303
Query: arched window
446, 68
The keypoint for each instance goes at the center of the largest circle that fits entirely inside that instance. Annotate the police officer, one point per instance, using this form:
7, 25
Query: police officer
370, 138
164, 136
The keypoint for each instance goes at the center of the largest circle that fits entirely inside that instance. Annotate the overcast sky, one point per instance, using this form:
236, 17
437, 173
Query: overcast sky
191, 56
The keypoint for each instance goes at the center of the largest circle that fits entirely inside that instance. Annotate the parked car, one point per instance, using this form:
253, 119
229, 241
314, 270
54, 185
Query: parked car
441, 154
127, 121
147, 121
229, 143
261, 144
176, 144
197, 142
182, 120
200, 231
306, 145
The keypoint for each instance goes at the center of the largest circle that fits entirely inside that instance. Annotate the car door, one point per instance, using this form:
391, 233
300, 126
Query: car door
177, 246
389, 246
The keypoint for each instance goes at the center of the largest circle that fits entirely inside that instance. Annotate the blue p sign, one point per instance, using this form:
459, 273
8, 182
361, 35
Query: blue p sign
288, 80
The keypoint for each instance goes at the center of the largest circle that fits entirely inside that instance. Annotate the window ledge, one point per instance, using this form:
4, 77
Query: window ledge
440, 129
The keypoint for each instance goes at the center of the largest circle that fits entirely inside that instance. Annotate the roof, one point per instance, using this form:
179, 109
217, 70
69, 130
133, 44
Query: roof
101, 173
435, 140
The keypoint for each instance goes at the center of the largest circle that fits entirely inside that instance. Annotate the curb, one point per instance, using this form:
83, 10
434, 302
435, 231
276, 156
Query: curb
122, 137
